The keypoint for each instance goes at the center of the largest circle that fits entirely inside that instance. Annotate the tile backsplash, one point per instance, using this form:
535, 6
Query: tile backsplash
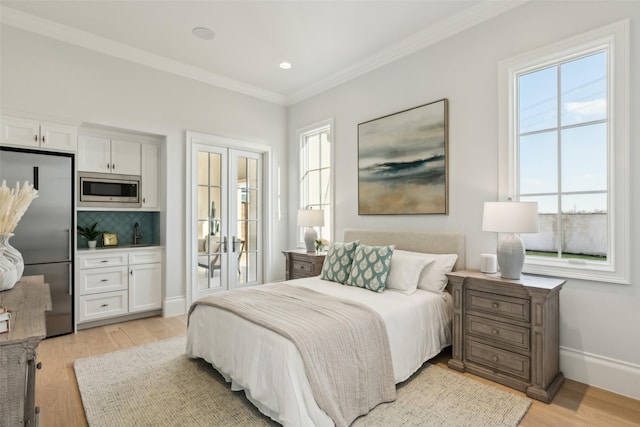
121, 223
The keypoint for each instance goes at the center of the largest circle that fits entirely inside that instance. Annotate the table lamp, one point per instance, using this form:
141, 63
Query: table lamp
310, 218
510, 218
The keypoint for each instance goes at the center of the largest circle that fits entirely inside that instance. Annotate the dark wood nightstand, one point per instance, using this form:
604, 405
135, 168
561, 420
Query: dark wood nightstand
301, 264
508, 330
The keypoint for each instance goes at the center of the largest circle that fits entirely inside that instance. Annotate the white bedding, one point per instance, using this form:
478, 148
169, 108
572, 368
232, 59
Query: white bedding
269, 368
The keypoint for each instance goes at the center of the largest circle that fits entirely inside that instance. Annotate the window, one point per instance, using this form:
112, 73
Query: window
315, 174
565, 146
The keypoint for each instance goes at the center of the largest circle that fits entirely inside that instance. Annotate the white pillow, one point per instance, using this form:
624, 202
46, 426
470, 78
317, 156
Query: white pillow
433, 277
405, 270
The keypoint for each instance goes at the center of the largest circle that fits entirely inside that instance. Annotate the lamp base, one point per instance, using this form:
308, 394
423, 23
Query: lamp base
510, 256
310, 236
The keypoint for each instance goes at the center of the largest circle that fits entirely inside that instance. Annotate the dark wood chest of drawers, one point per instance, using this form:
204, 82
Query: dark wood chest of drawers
28, 300
301, 264
508, 330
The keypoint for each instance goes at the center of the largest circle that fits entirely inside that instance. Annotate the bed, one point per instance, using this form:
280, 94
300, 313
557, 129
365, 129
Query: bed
269, 368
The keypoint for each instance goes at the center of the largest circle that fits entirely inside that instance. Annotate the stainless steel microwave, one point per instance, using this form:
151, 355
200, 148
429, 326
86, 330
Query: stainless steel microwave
108, 190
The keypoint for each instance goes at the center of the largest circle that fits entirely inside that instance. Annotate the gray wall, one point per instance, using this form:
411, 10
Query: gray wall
599, 321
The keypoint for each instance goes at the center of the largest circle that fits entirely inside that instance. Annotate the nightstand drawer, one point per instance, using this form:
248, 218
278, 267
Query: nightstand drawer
301, 267
514, 308
302, 264
495, 358
501, 332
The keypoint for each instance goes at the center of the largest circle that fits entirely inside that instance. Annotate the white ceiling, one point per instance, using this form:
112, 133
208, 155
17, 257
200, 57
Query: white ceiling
328, 42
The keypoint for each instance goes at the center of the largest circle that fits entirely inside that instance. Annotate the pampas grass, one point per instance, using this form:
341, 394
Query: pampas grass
13, 204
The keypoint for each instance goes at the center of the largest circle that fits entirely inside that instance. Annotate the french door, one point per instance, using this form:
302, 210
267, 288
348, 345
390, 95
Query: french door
226, 219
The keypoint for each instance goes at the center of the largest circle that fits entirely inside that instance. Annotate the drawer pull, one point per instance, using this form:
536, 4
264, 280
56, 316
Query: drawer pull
104, 305
104, 260
39, 365
104, 280
495, 332
494, 358
495, 305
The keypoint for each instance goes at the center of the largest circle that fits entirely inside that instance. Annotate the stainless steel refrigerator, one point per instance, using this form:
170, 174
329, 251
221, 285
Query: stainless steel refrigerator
44, 235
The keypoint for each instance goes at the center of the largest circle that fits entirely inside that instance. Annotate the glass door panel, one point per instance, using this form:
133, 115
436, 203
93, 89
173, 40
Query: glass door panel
247, 191
209, 206
227, 219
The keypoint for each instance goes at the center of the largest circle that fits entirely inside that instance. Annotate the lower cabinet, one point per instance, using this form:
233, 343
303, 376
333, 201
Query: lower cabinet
144, 292
115, 282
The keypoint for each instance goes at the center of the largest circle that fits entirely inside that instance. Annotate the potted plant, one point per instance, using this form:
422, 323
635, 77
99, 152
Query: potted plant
90, 233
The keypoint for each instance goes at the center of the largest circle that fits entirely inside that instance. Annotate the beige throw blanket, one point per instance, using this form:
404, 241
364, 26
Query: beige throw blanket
343, 344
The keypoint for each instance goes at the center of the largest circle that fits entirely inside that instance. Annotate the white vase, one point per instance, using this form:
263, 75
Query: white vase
8, 274
92, 244
12, 254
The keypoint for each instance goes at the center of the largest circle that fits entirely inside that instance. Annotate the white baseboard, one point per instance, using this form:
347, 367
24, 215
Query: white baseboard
174, 306
602, 372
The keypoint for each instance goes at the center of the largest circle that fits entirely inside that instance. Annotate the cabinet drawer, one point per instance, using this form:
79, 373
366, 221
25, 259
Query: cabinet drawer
96, 280
498, 359
514, 308
145, 257
102, 259
301, 267
514, 335
100, 306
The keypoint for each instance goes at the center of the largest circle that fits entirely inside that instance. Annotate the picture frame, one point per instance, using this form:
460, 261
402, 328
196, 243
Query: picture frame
403, 162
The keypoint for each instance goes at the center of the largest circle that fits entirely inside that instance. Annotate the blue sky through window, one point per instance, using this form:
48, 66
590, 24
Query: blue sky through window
563, 135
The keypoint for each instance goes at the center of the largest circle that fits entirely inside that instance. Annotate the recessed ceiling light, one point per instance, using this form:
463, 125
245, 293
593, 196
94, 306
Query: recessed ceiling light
285, 65
203, 33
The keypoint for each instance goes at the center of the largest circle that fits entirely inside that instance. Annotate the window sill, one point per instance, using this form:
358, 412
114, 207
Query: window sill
587, 271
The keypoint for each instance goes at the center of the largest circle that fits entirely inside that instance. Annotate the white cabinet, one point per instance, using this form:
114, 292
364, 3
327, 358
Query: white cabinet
144, 292
145, 273
125, 157
24, 132
149, 176
117, 282
106, 155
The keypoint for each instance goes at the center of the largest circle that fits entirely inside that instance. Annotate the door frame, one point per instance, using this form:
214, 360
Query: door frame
192, 138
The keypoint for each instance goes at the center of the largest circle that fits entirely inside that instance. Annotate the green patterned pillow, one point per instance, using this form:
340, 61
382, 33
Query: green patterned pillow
370, 267
337, 263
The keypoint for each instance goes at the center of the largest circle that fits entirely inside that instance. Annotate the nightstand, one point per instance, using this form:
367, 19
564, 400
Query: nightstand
301, 264
508, 331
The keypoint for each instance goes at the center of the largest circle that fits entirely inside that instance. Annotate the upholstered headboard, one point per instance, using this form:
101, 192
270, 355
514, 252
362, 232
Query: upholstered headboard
416, 241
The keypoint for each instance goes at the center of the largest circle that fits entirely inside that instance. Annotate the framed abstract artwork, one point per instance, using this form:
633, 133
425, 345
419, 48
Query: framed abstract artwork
403, 162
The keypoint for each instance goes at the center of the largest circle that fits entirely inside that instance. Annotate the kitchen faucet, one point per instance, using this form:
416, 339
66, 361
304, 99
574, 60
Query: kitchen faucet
137, 235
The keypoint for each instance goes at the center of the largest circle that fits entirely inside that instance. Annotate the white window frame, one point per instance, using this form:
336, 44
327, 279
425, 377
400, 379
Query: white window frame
614, 38
302, 133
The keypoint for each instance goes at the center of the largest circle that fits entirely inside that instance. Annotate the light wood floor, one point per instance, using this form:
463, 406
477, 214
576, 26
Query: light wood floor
57, 394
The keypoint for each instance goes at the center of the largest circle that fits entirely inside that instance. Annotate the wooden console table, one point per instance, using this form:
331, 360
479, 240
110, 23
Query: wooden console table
508, 330
28, 301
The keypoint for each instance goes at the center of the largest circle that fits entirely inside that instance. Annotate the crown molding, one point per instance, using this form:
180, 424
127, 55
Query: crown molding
47, 28
427, 37
444, 29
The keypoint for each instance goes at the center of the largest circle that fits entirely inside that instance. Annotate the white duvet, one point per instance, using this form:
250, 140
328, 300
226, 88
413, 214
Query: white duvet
269, 368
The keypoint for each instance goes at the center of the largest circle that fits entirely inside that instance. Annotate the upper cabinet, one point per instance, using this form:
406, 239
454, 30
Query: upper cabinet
106, 155
114, 151
150, 187
34, 133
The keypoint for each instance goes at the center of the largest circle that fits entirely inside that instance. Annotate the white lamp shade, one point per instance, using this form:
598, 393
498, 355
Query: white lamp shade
310, 218
510, 217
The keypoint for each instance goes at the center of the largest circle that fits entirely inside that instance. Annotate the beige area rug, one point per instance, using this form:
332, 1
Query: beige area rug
157, 385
